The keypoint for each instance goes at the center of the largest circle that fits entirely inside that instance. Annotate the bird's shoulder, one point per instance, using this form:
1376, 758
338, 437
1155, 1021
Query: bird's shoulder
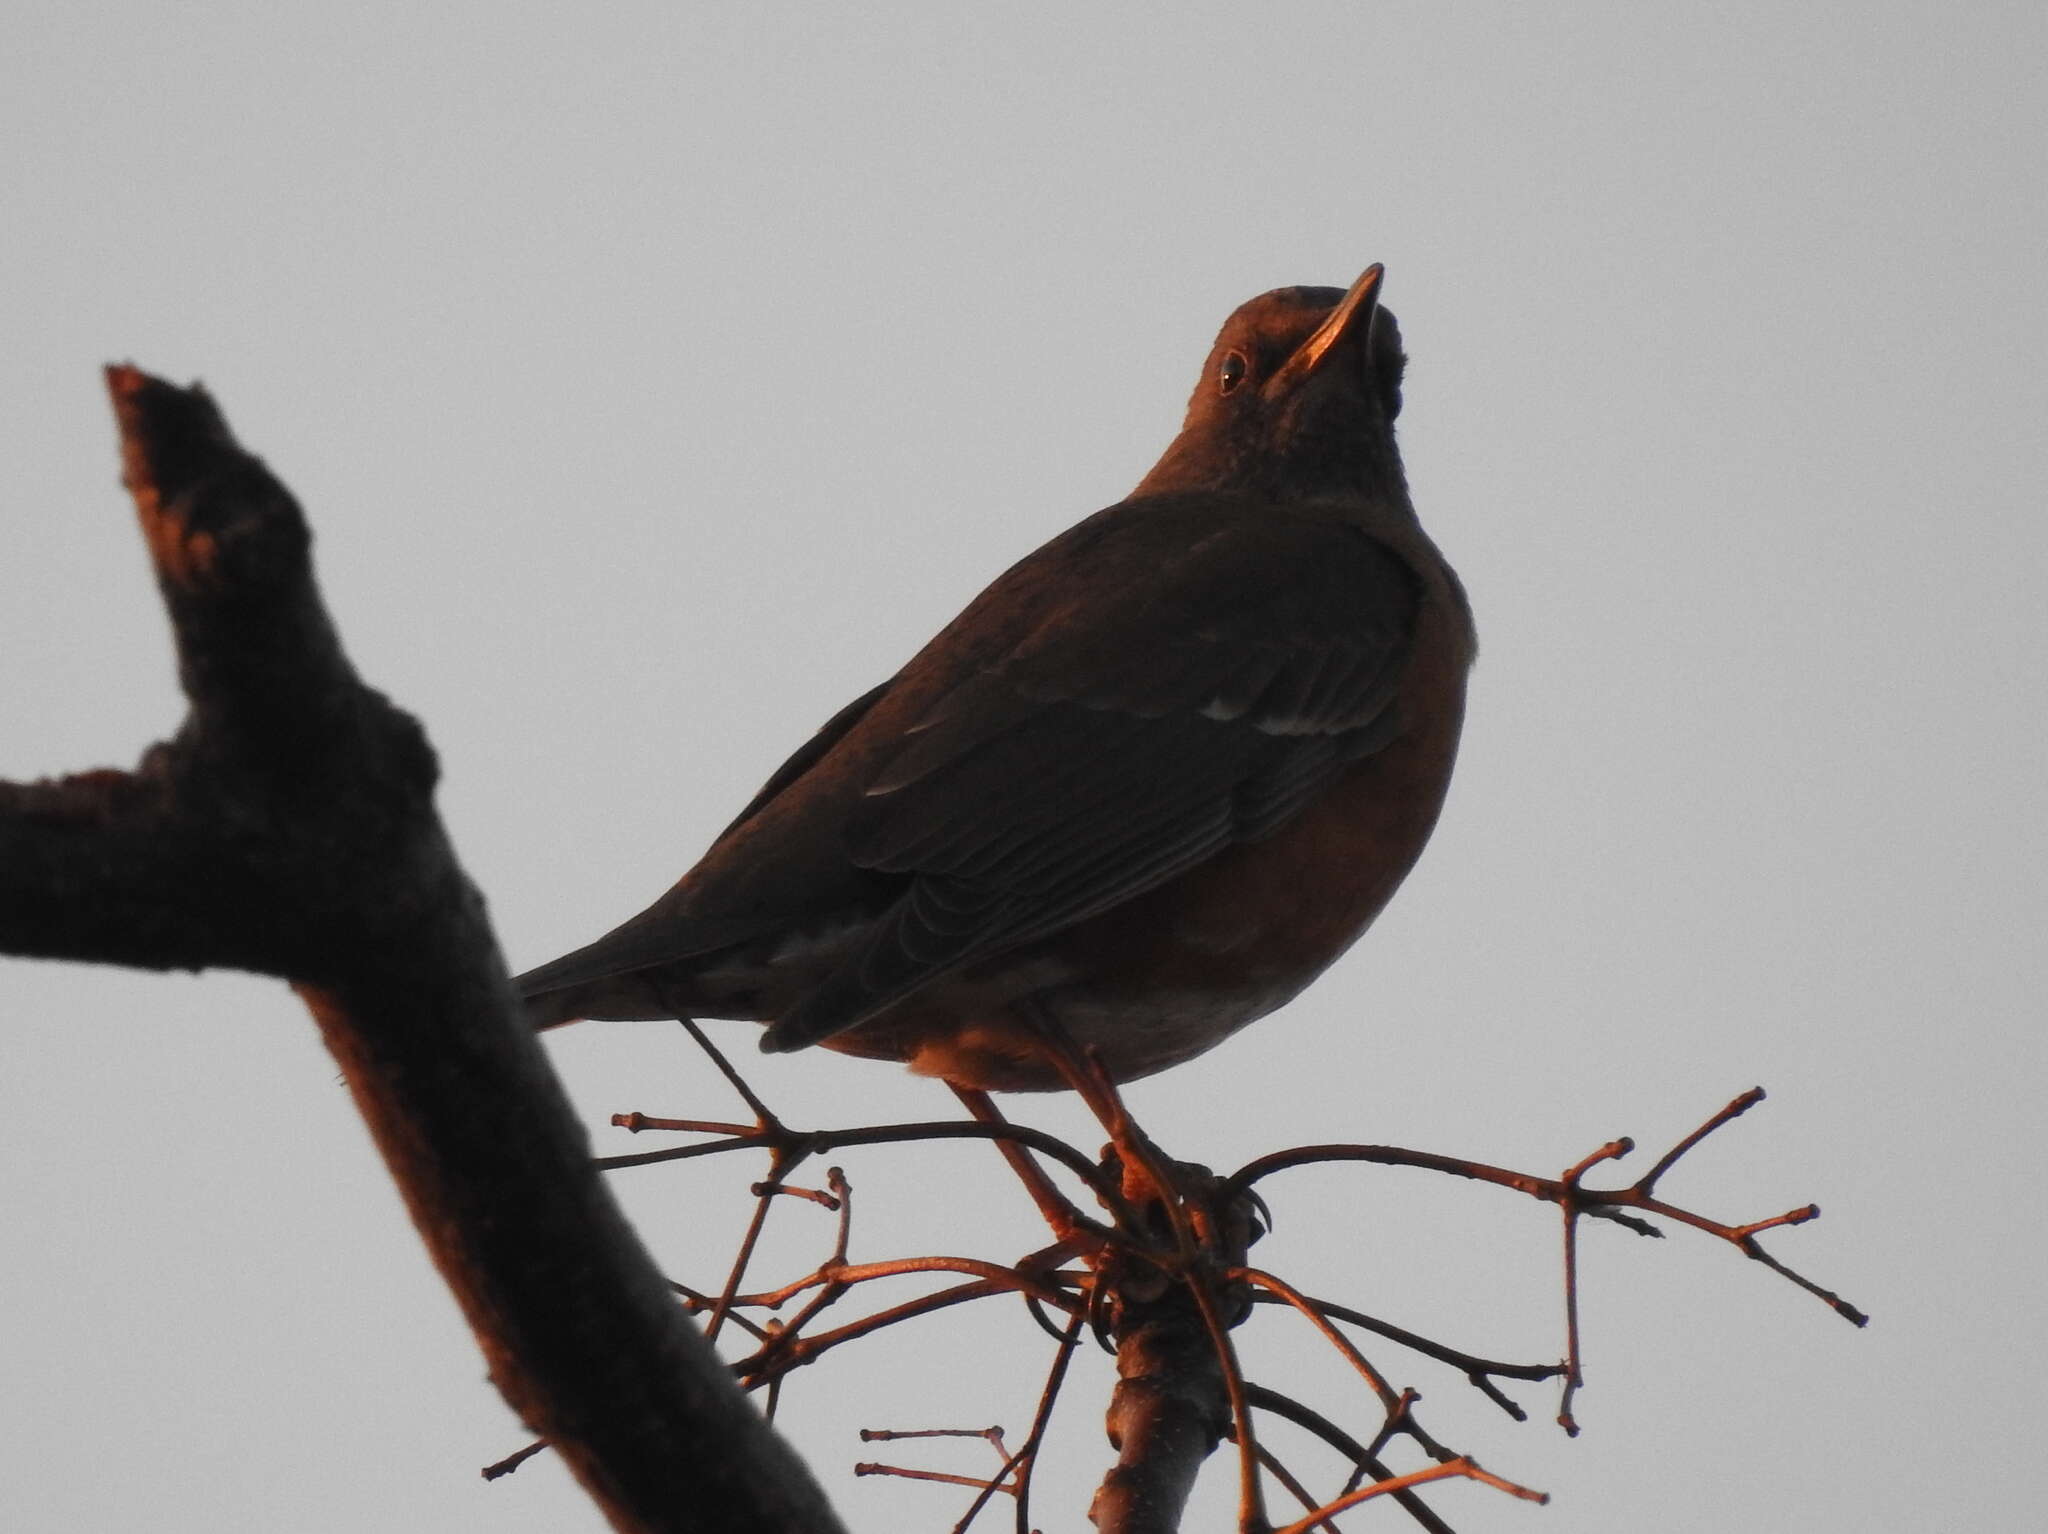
1189, 543
1192, 578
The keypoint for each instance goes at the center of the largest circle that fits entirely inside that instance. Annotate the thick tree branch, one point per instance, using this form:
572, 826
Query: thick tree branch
288, 828
1168, 1411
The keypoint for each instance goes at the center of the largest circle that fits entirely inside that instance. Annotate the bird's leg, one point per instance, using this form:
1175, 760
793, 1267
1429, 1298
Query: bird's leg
1149, 1311
1059, 1212
1148, 1172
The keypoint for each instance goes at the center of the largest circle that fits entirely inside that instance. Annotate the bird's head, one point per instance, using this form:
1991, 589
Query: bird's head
1298, 398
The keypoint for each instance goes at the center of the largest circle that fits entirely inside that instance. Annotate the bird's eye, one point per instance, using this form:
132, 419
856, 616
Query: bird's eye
1230, 372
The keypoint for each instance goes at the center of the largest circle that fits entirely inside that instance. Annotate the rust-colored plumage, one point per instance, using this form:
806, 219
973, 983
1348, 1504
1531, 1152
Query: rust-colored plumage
1144, 789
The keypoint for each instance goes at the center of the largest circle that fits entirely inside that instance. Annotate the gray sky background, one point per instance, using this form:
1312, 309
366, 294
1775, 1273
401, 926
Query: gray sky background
657, 377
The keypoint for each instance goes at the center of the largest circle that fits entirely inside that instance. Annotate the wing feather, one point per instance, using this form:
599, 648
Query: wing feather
1117, 745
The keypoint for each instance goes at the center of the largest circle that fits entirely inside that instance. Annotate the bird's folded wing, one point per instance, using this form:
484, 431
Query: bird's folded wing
1122, 742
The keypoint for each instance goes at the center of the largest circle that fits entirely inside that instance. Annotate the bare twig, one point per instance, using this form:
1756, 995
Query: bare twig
845, 1275
1574, 1370
1477, 1371
1745, 1101
1591, 1202
1025, 1462
1389, 1397
776, 1359
871, 1467
745, 1255
1251, 1502
1287, 1478
763, 1116
818, 1141
1460, 1467
1363, 1458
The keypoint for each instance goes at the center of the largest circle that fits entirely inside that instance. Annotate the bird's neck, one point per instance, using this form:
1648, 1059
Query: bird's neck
1194, 464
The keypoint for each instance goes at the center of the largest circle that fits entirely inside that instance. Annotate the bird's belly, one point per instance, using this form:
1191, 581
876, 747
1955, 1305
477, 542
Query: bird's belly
1175, 971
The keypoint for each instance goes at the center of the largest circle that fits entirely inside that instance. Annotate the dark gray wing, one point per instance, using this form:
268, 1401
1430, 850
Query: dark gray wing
1141, 727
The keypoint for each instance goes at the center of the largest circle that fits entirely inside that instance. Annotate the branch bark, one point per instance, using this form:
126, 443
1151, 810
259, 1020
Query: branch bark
288, 828
1166, 1416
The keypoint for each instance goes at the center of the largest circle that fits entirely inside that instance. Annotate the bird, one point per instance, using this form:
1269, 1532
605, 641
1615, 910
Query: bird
1141, 792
